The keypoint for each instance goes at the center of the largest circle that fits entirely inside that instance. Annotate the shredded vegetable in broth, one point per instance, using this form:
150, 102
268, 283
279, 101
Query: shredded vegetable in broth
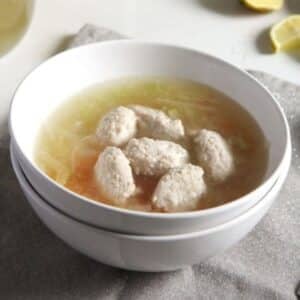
67, 148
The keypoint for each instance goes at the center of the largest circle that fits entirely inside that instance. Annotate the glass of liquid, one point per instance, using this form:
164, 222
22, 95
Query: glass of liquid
15, 17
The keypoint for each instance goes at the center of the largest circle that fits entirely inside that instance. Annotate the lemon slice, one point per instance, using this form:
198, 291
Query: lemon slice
263, 5
285, 35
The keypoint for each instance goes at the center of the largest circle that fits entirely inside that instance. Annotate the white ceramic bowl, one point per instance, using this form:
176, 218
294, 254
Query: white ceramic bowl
147, 253
50, 84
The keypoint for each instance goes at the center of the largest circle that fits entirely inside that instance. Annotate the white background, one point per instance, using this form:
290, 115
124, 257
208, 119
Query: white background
220, 27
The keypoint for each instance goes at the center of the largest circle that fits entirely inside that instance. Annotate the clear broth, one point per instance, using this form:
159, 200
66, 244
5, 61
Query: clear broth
66, 149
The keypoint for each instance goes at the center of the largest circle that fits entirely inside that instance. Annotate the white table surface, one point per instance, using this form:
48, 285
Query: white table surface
220, 27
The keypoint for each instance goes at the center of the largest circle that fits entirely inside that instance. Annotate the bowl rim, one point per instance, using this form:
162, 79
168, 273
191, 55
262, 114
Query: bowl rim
25, 184
114, 209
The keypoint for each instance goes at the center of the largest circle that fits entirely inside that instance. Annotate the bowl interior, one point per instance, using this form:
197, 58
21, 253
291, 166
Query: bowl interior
65, 74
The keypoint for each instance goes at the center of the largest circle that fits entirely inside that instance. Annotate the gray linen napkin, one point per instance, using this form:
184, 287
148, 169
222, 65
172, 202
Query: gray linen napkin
34, 264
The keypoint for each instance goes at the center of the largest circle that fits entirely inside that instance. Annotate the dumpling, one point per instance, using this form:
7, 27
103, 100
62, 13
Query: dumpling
180, 189
155, 157
156, 124
113, 174
117, 127
214, 155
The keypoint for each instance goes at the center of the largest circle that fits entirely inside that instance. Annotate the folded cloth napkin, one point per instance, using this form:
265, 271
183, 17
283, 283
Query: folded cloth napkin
34, 264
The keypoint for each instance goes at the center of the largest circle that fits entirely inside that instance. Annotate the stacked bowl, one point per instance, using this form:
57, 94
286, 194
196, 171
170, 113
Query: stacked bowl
130, 239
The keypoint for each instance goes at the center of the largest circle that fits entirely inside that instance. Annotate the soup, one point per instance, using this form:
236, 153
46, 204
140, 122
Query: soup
67, 148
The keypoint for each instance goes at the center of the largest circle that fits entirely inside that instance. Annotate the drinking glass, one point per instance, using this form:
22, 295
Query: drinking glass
15, 17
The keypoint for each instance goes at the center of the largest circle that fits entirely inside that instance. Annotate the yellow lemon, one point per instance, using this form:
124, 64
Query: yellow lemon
286, 34
263, 5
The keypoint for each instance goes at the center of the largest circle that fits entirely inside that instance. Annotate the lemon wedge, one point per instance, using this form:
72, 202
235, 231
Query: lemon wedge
263, 5
285, 35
